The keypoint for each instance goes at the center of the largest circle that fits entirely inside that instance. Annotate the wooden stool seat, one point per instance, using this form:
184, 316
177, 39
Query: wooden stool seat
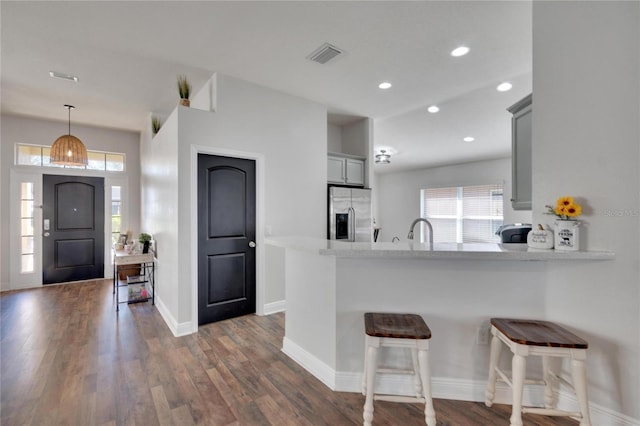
538, 333
397, 326
553, 343
399, 331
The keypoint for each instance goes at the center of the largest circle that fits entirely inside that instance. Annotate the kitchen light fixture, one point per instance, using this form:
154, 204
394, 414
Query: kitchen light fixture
504, 87
383, 157
68, 150
63, 76
460, 51
469, 139
433, 109
384, 85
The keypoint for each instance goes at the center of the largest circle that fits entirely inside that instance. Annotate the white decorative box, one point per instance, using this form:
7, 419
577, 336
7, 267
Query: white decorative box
540, 238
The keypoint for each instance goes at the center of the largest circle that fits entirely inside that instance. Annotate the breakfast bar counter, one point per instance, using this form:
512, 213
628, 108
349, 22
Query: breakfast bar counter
456, 288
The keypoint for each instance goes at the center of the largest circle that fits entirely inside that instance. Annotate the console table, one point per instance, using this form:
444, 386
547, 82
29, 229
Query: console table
140, 283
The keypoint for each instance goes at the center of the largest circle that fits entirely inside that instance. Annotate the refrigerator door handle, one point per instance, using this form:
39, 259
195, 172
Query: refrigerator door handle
352, 224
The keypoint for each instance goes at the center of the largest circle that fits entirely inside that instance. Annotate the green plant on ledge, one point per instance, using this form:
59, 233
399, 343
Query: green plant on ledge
155, 124
184, 89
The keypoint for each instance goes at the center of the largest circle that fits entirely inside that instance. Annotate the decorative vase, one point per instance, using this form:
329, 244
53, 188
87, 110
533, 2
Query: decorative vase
566, 235
185, 102
145, 247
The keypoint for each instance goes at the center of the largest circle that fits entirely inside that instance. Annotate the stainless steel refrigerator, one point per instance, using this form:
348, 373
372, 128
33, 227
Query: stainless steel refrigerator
350, 214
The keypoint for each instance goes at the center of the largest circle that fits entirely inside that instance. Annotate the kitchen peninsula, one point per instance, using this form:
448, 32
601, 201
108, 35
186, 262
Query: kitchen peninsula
456, 288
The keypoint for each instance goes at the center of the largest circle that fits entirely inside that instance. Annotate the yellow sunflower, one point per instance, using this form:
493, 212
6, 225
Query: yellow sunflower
573, 210
565, 201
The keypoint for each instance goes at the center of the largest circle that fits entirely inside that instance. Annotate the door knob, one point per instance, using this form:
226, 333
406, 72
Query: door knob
252, 244
46, 234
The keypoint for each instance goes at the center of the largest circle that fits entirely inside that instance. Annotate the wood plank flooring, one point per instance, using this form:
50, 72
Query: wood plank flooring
69, 359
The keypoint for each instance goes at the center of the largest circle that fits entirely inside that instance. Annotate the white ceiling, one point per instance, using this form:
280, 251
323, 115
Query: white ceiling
128, 54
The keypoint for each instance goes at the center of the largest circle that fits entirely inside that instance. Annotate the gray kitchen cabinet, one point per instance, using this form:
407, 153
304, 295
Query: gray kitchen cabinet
521, 138
345, 170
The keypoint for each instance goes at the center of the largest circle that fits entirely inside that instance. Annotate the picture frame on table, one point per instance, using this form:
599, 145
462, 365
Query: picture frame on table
123, 239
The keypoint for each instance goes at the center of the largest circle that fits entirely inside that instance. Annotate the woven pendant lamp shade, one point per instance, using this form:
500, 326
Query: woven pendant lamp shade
68, 150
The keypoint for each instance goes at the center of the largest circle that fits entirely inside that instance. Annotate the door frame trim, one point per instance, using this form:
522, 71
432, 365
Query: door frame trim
260, 191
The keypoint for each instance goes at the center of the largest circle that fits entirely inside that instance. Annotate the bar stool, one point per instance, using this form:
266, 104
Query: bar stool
400, 331
552, 343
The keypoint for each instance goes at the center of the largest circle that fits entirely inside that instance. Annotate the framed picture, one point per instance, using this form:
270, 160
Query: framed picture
123, 239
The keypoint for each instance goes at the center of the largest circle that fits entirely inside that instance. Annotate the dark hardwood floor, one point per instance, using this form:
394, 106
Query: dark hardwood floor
69, 359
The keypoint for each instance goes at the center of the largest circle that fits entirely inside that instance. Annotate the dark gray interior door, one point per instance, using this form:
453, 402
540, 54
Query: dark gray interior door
73, 228
226, 235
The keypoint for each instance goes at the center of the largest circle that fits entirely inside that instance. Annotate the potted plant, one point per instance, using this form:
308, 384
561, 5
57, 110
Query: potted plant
155, 124
145, 239
184, 89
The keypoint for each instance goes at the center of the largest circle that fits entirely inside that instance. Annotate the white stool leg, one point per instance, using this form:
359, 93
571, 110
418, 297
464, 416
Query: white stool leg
417, 382
518, 367
425, 375
364, 370
490, 392
550, 369
579, 376
370, 372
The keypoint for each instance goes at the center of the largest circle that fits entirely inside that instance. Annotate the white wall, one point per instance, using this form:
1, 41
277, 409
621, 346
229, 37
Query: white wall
289, 134
334, 138
19, 129
159, 187
398, 194
586, 143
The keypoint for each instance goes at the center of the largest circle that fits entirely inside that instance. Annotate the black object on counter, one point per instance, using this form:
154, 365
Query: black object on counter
514, 233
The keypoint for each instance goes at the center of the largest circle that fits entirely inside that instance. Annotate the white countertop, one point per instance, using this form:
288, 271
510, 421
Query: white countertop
407, 249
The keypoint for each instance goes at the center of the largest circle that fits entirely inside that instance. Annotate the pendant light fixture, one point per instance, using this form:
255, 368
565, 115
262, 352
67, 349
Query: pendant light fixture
383, 157
68, 150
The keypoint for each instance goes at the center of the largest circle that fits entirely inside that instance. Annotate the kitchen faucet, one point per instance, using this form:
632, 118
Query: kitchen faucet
413, 225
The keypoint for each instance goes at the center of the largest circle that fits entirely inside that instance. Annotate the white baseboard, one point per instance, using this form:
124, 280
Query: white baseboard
178, 329
313, 365
274, 307
446, 388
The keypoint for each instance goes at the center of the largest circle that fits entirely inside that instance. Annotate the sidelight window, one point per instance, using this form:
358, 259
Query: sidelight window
27, 222
464, 214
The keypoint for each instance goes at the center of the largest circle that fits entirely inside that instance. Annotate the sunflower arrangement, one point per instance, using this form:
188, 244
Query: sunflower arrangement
566, 208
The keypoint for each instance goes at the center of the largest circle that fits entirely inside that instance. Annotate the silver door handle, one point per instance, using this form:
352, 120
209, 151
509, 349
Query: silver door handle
46, 234
252, 244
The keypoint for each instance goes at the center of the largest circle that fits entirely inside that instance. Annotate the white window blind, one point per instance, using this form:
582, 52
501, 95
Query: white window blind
464, 214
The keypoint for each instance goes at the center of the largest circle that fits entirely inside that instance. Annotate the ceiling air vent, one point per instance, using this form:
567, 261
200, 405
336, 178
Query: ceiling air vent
324, 53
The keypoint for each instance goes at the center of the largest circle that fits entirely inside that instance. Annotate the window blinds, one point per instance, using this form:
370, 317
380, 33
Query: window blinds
466, 214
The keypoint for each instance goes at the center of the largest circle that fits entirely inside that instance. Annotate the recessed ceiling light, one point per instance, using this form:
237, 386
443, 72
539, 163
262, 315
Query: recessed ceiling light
504, 87
460, 51
433, 109
469, 139
56, 74
384, 85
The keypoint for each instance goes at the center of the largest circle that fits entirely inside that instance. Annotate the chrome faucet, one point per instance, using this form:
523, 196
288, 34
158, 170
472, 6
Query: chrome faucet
413, 225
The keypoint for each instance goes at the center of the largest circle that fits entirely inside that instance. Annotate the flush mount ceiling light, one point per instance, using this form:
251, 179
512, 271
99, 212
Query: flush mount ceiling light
433, 109
383, 157
63, 76
68, 150
384, 85
460, 51
469, 139
504, 87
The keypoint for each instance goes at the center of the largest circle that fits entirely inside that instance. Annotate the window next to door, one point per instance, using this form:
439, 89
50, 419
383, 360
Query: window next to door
27, 219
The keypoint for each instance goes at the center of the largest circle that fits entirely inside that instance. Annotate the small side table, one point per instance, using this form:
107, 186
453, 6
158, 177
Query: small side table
140, 286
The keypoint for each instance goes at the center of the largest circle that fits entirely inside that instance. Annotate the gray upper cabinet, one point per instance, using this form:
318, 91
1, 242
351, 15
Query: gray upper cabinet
345, 170
521, 153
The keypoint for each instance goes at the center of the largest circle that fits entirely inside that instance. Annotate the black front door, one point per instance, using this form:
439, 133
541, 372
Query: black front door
73, 228
226, 235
